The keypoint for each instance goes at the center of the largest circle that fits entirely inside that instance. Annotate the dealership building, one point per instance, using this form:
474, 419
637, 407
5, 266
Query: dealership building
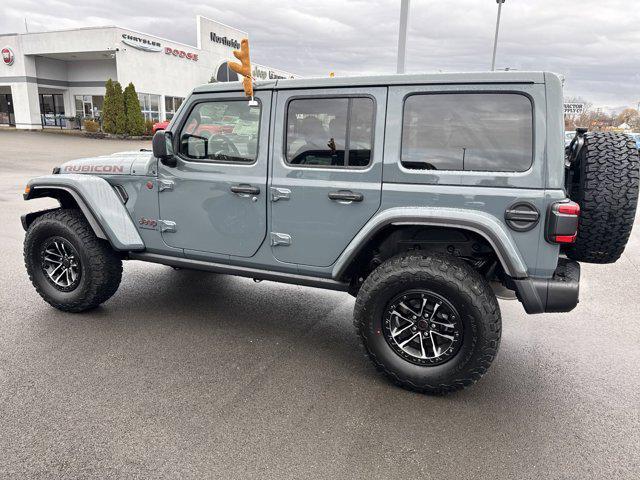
50, 79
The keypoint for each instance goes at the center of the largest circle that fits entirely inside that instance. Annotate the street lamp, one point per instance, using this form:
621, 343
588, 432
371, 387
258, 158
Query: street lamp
402, 34
495, 40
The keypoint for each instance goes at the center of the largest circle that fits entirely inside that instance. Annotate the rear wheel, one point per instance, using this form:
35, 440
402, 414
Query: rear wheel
604, 182
429, 322
71, 268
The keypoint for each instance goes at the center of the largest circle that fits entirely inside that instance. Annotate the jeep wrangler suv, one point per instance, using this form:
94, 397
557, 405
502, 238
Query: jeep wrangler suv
421, 195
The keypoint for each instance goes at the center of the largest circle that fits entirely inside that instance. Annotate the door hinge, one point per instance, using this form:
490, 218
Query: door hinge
167, 226
280, 239
280, 194
165, 185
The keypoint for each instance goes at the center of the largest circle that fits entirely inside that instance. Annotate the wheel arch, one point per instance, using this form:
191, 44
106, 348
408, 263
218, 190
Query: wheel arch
484, 225
97, 201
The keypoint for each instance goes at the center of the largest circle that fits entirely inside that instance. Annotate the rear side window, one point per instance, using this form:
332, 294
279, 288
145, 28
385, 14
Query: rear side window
330, 132
467, 131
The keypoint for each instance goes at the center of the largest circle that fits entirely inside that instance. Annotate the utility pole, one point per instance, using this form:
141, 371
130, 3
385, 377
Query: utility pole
495, 40
402, 35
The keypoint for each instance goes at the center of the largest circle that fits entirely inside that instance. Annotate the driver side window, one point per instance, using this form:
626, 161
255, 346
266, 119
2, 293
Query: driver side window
223, 131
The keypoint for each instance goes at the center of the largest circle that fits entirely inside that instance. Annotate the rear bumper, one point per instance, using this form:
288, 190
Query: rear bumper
557, 294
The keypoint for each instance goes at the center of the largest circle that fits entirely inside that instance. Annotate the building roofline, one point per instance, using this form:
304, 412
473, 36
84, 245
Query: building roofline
62, 30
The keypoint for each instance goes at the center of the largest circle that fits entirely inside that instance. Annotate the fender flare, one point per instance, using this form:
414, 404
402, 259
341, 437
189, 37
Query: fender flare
484, 224
99, 203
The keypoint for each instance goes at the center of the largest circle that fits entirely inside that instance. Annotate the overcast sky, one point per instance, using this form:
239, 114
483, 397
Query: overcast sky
595, 44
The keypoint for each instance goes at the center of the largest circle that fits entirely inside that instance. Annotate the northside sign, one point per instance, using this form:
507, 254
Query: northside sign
226, 41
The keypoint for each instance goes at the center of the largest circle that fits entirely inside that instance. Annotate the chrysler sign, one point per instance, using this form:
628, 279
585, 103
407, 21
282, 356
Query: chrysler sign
141, 43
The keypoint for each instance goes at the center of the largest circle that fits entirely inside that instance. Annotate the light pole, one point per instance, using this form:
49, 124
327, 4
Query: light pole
402, 34
495, 40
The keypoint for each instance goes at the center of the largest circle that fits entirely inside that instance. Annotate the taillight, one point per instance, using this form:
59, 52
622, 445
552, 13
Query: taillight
562, 222
569, 208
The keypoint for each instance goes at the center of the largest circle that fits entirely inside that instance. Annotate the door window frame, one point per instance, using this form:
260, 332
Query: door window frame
292, 166
187, 113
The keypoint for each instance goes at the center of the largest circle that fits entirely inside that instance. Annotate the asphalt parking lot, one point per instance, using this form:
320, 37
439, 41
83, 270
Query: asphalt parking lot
193, 375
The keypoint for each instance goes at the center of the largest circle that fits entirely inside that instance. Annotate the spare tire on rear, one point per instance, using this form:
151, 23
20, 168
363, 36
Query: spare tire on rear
603, 180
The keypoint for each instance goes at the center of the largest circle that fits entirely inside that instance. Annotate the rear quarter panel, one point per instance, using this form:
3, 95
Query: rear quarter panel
490, 192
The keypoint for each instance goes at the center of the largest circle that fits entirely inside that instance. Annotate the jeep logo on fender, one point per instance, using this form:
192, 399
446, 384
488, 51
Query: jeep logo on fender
114, 169
181, 53
149, 223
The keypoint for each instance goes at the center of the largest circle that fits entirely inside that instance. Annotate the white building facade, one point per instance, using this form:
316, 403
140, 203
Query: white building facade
53, 79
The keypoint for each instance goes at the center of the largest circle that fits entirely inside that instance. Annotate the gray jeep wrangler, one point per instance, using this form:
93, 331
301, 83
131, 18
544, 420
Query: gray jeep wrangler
422, 195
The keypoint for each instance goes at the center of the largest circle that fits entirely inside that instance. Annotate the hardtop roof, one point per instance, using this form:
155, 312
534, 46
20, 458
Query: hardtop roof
382, 81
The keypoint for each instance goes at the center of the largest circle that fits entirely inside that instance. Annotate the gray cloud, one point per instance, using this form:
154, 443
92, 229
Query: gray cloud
595, 44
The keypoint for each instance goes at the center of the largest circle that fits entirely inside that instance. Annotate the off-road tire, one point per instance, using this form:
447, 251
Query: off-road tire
100, 266
451, 278
605, 185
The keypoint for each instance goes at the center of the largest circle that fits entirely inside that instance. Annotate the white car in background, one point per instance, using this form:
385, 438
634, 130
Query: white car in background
568, 136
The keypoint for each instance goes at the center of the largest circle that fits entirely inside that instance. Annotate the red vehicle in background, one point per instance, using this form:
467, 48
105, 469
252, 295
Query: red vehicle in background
160, 126
209, 129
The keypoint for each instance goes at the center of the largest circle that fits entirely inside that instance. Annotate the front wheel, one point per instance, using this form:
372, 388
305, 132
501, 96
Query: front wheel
71, 268
428, 321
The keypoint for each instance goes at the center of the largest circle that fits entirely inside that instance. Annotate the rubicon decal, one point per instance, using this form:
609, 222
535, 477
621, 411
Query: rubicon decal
181, 53
114, 169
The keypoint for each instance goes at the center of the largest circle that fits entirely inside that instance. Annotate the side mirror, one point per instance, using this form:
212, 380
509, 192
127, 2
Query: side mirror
163, 148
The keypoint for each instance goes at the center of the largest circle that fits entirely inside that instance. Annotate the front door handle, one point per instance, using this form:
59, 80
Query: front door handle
245, 189
346, 196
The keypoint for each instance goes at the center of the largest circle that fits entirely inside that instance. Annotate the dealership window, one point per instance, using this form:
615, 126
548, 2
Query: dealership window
89, 105
468, 131
51, 104
150, 106
330, 132
171, 105
225, 131
52, 110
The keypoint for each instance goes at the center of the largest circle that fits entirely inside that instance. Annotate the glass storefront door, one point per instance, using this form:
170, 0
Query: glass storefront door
6, 109
89, 105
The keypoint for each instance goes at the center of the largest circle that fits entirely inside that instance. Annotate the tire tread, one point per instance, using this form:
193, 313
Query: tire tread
608, 195
445, 268
104, 264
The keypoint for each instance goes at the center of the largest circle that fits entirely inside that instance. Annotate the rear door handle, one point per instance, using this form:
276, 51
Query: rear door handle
346, 196
245, 189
